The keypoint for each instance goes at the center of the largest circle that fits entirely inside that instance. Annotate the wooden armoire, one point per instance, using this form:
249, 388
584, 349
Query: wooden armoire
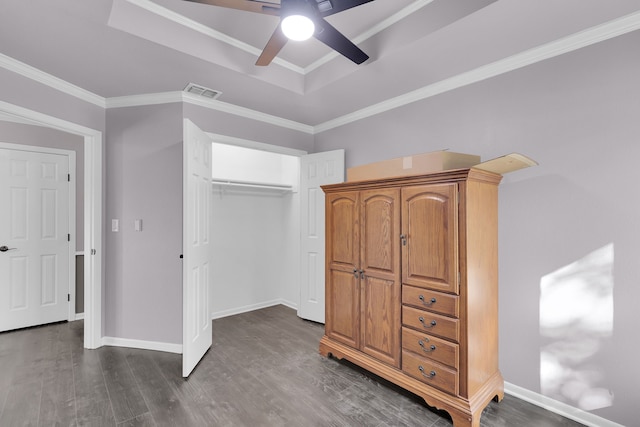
412, 285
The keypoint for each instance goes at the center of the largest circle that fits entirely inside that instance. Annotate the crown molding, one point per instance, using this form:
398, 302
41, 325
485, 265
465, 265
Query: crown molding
155, 8
152, 7
608, 30
212, 104
40, 76
247, 113
144, 99
381, 26
602, 32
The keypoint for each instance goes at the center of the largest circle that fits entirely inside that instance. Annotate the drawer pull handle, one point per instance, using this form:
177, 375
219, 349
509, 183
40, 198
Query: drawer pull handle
431, 325
425, 349
428, 376
431, 301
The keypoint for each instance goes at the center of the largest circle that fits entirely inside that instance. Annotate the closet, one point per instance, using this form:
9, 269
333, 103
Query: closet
412, 285
254, 225
267, 209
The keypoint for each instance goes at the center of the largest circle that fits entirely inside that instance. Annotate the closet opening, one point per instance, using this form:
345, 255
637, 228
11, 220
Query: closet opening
255, 229
267, 216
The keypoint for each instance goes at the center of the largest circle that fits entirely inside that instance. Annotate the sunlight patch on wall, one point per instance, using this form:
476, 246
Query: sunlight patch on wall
576, 321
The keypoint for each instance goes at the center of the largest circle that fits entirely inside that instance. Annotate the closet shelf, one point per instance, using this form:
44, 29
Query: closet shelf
252, 186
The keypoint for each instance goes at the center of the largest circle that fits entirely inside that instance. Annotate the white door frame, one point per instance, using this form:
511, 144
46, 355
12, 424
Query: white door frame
71, 155
92, 213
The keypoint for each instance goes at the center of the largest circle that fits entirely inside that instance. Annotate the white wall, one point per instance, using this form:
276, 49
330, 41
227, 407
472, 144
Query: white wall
247, 244
255, 232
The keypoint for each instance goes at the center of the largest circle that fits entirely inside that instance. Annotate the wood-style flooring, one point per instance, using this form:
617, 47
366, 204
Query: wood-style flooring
263, 370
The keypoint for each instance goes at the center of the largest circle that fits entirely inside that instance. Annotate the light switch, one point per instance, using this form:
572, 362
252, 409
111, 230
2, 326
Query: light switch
115, 225
137, 225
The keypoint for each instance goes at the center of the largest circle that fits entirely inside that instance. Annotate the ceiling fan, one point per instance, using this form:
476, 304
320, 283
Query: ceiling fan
299, 20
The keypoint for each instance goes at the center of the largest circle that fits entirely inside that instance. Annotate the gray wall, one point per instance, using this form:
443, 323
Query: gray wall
577, 115
143, 283
143, 270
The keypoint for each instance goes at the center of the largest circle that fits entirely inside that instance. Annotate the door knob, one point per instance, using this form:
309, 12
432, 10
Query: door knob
5, 249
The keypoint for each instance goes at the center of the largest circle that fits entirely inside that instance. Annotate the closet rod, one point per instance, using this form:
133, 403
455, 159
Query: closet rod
254, 185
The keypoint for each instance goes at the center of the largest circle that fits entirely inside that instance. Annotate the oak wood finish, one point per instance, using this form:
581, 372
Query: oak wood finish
363, 268
427, 299
448, 254
431, 347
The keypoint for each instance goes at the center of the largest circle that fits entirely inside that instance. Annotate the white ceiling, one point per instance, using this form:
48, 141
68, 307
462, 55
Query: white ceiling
116, 48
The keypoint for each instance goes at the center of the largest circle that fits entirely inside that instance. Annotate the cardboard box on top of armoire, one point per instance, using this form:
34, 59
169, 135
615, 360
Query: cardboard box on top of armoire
434, 162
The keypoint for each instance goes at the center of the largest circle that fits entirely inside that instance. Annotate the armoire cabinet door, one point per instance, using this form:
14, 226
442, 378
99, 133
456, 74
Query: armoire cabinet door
342, 320
430, 230
380, 265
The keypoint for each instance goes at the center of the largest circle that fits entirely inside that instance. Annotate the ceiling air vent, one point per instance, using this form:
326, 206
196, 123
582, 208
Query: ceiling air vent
202, 91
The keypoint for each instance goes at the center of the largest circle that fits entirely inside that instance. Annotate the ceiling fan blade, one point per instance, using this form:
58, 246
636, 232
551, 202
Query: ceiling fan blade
330, 7
333, 38
257, 6
273, 47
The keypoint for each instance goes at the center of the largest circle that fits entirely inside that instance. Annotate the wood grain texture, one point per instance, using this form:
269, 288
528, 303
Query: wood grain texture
263, 370
449, 274
426, 299
430, 222
432, 323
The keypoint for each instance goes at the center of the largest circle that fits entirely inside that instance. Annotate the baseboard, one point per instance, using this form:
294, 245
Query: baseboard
79, 316
143, 345
252, 307
567, 411
289, 304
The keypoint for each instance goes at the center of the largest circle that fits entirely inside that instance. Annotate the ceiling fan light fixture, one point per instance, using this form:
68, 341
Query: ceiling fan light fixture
297, 27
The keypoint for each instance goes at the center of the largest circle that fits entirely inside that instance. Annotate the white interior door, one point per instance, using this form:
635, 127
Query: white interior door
315, 170
197, 248
34, 238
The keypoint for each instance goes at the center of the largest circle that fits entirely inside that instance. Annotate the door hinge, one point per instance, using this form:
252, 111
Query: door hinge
68, 297
68, 237
68, 177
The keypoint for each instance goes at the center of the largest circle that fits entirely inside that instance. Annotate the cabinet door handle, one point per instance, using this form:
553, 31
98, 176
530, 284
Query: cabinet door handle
431, 301
362, 274
428, 376
355, 273
431, 325
403, 239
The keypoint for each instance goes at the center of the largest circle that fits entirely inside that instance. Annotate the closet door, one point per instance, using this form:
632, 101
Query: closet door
343, 277
380, 274
315, 170
430, 227
196, 280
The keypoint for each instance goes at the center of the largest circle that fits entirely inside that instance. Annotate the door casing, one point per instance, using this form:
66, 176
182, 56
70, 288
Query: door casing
93, 260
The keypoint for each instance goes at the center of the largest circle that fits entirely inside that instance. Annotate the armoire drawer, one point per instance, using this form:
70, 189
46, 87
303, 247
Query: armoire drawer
430, 372
430, 347
430, 300
434, 324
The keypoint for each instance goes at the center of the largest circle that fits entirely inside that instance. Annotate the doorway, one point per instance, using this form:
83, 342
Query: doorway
92, 211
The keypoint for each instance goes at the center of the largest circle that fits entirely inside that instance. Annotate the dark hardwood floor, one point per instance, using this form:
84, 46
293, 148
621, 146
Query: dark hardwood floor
263, 370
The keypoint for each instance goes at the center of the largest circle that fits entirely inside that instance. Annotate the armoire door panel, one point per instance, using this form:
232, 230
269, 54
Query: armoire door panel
380, 241
381, 319
430, 224
343, 308
342, 229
